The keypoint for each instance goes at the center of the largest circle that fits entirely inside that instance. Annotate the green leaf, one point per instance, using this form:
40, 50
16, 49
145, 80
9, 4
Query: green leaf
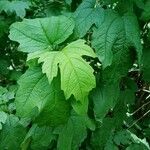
146, 12
30, 94
106, 95
127, 138
122, 137
42, 34
49, 103
12, 134
19, 7
3, 26
3, 118
56, 110
139, 3
110, 144
3, 90
129, 93
68, 2
137, 147
132, 33
77, 76
105, 98
101, 135
122, 61
108, 36
38, 138
74, 132
115, 34
4, 64
87, 14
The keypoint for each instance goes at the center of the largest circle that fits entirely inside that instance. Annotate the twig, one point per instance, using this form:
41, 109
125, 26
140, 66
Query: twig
139, 108
139, 119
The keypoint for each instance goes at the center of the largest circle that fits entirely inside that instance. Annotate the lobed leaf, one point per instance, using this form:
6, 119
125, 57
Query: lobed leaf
49, 33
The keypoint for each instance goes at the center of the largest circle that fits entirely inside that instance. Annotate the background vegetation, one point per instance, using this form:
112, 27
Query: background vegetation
111, 111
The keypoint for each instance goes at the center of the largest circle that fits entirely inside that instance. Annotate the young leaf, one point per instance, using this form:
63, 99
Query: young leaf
87, 14
49, 33
77, 76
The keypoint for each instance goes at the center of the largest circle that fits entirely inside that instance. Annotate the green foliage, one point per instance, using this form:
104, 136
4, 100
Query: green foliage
15, 6
50, 32
74, 74
86, 15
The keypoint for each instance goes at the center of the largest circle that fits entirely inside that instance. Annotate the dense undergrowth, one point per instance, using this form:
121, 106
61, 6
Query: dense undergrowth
74, 75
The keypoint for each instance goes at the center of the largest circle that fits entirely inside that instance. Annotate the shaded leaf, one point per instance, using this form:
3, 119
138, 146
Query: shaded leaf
38, 138
48, 104
116, 34
12, 134
74, 132
87, 14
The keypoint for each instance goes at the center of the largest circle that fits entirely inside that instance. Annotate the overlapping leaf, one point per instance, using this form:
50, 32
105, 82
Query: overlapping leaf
104, 99
114, 34
36, 95
49, 33
108, 36
87, 14
38, 138
74, 132
3, 118
12, 129
76, 75
104, 131
122, 62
